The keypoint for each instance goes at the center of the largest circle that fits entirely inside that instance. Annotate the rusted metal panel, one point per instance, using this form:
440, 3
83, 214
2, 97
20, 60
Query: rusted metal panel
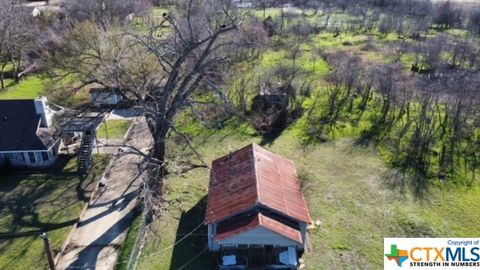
254, 176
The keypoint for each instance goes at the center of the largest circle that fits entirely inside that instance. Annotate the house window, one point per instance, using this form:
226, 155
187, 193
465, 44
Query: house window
31, 157
44, 156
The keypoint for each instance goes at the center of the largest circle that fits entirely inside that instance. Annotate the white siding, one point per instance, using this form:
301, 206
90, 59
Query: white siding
212, 244
23, 159
259, 236
15, 158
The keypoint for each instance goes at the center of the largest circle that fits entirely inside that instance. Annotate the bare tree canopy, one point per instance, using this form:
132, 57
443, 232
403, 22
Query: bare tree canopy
17, 38
163, 65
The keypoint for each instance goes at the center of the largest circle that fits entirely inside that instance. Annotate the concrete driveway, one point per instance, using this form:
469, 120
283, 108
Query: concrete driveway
102, 228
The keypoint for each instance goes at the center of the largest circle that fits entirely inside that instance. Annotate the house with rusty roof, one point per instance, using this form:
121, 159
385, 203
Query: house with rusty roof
257, 216
27, 138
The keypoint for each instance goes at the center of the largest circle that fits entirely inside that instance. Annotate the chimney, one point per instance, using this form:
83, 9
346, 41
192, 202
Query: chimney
42, 109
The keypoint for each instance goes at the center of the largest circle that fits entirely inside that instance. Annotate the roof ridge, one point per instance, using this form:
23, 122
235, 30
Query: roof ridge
256, 172
280, 178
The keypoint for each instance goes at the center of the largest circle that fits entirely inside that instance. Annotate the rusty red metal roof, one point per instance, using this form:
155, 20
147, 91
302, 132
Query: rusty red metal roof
252, 177
254, 221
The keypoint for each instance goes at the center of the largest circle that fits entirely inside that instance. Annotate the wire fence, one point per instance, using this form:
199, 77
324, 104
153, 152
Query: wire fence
138, 245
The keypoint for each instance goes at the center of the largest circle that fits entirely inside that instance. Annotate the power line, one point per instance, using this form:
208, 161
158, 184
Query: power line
151, 254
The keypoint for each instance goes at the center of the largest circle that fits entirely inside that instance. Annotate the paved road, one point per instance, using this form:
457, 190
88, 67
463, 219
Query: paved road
103, 227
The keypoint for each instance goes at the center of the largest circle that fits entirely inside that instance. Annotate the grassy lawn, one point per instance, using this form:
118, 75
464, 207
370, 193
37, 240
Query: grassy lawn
28, 88
115, 129
346, 188
33, 203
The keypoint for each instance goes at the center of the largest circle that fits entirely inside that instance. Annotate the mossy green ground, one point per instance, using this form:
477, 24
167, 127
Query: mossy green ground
115, 129
347, 189
33, 203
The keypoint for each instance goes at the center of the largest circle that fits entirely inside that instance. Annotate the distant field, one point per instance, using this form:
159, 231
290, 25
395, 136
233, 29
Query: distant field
34, 203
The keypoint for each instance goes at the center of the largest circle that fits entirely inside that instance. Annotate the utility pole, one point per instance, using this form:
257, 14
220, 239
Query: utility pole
48, 249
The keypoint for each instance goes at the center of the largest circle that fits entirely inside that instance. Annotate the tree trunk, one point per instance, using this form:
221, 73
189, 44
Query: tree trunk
2, 78
2, 82
159, 131
159, 149
16, 70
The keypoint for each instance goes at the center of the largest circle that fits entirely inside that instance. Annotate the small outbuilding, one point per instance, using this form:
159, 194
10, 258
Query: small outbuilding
257, 216
106, 96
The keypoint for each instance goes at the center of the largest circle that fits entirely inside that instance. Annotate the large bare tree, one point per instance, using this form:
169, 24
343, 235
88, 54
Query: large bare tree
160, 63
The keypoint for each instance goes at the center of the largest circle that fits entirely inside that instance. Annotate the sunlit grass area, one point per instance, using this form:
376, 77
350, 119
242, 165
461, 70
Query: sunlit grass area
28, 88
113, 129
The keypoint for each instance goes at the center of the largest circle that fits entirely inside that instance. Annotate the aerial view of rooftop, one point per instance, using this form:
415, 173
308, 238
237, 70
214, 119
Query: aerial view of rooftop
239, 134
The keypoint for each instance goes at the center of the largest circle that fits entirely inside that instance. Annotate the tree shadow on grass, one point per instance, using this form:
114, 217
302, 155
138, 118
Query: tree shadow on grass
35, 203
24, 208
269, 138
190, 251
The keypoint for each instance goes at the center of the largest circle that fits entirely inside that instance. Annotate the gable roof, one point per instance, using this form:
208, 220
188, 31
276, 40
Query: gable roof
254, 177
19, 127
257, 220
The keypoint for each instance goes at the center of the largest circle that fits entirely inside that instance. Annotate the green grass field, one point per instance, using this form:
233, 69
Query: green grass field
28, 88
347, 189
115, 129
33, 203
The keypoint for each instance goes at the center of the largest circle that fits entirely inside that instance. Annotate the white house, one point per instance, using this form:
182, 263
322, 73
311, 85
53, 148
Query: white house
256, 214
26, 134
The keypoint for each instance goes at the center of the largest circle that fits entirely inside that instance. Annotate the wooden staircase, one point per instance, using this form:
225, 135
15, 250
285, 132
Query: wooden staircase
84, 159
